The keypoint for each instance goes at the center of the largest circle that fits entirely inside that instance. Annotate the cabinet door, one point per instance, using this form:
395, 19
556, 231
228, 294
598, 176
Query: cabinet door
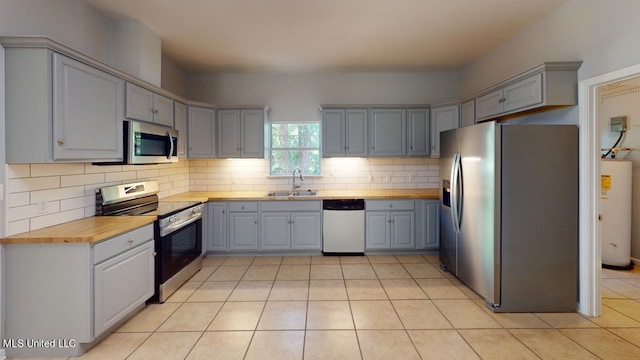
333, 133
229, 133
252, 134
418, 132
180, 124
489, 105
388, 132
432, 224
377, 230
87, 112
305, 231
524, 93
162, 110
217, 233
121, 284
139, 103
356, 124
402, 229
442, 118
468, 113
276, 231
202, 133
243, 231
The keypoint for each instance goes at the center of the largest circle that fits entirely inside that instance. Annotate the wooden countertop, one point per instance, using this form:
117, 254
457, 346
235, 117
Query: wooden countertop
257, 195
86, 230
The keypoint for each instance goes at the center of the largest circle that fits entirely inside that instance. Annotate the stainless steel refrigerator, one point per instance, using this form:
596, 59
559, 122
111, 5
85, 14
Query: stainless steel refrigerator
509, 214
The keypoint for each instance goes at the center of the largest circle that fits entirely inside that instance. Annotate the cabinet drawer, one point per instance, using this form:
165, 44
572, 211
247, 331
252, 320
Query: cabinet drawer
243, 206
389, 205
121, 243
293, 205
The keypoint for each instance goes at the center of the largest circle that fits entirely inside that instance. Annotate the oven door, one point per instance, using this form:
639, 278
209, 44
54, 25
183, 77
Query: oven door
150, 144
178, 249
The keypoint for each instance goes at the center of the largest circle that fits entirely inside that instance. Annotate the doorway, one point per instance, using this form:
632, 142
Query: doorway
590, 299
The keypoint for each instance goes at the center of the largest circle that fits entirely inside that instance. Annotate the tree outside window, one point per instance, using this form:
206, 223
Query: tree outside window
295, 145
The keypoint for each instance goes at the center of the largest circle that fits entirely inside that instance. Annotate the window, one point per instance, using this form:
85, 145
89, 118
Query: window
295, 145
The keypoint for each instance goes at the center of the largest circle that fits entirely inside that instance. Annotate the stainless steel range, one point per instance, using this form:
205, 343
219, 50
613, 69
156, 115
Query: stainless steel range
178, 230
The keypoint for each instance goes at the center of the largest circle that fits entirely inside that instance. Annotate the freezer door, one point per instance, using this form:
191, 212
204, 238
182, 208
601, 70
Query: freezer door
448, 239
478, 241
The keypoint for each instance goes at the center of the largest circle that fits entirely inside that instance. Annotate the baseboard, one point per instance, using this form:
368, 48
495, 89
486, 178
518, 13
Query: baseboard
636, 261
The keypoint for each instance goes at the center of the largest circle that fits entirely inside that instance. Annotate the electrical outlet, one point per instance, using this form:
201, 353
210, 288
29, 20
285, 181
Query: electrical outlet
370, 178
42, 207
619, 124
410, 177
387, 178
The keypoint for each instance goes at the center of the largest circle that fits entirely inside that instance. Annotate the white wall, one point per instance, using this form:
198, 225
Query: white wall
137, 50
174, 78
603, 34
626, 105
71, 22
295, 97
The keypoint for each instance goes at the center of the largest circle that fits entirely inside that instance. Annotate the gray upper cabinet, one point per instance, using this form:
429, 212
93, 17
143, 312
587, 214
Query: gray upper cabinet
387, 134
468, 113
545, 87
60, 109
180, 124
202, 132
241, 133
418, 132
145, 105
344, 132
442, 118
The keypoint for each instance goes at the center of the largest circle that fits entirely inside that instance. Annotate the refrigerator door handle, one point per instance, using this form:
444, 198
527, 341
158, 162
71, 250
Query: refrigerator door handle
459, 194
455, 178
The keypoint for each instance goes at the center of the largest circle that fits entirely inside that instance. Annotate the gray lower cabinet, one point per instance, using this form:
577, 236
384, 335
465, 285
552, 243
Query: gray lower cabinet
290, 225
217, 226
243, 225
202, 132
76, 291
59, 109
387, 132
427, 224
390, 224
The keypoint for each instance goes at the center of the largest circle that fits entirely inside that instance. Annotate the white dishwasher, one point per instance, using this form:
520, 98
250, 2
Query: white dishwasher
343, 227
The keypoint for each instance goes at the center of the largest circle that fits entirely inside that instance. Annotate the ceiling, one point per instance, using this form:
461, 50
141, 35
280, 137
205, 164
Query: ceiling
293, 36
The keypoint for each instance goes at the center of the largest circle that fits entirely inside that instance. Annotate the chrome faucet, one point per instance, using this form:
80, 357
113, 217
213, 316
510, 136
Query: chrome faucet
294, 186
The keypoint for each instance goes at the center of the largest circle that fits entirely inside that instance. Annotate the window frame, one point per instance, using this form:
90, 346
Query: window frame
271, 148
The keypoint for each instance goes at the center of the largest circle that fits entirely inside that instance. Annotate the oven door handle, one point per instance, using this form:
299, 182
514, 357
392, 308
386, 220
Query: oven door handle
174, 227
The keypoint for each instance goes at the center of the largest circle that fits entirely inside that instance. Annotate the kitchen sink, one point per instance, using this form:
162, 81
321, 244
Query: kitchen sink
293, 193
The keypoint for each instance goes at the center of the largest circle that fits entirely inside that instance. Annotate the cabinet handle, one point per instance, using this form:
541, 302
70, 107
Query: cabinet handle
130, 241
390, 205
61, 142
255, 222
155, 253
242, 207
393, 221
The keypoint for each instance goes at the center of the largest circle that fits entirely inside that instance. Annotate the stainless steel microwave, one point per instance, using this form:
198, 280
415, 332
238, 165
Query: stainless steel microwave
146, 143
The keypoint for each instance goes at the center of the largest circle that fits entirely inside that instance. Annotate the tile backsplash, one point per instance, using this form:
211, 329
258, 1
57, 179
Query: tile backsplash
41, 195
337, 173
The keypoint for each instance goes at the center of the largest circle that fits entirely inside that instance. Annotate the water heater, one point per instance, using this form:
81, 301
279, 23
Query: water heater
615, 208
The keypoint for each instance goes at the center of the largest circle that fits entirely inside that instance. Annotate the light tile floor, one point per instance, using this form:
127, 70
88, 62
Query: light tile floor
373, 307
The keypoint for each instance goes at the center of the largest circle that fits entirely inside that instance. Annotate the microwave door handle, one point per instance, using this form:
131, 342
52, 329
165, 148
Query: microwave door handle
171, 145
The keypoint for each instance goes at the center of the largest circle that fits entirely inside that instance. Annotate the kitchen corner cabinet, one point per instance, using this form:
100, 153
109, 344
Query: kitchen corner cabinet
550, 85
418, 129
202, 132
75, 291
217, 226
468, 113
427, 224
180, 124
344, 132
145, 105
240, 133
443, 118
387, 134
390, 224
243, 225
60, 109
290, 225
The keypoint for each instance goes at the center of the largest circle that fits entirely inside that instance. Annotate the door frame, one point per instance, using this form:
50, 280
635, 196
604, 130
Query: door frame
590, 298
